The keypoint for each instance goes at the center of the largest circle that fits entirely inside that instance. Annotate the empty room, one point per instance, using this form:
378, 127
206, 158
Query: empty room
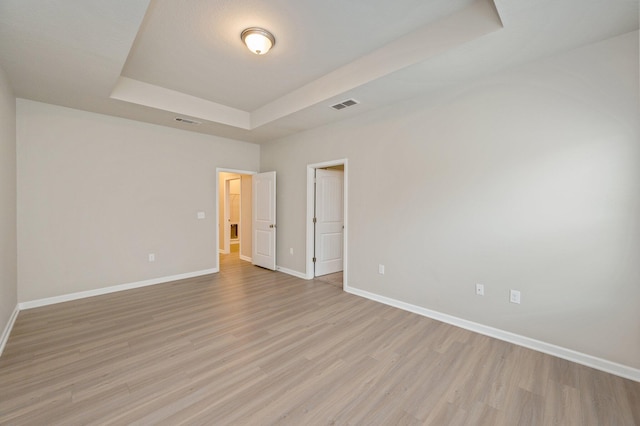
365, 212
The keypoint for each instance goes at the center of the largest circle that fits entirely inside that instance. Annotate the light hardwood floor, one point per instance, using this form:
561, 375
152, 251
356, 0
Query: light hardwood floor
333, 279
249, 346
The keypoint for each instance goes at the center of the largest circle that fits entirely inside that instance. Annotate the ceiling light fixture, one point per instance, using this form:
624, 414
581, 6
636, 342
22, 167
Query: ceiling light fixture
258, 40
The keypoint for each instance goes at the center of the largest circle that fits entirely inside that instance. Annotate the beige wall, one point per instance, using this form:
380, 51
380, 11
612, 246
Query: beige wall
234, 186
222, 177
97, 194
526, 180
234, 201
8, 247
245, 232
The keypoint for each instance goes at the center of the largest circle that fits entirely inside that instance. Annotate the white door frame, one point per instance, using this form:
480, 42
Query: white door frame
217, 203
310, 212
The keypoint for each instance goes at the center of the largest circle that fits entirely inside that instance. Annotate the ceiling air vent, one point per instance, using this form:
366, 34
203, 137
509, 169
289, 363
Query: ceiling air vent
344, 104
186, 121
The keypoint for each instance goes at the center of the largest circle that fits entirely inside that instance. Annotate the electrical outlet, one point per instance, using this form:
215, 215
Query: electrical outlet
152, 257
200, 215
480, 289
514, 296
381, 269
291, 250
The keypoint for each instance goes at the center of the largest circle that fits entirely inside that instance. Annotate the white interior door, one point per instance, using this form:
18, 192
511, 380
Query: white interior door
329, 221
264, 220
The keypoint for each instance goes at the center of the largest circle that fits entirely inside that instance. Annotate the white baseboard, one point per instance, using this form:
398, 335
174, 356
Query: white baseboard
292, 272
537, 345
7, 330
112, 289
246, 258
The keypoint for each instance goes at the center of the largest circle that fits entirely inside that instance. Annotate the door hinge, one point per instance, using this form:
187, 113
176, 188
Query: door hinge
314, 260
315, 220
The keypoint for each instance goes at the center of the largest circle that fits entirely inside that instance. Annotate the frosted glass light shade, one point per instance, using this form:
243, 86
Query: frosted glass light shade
258, 40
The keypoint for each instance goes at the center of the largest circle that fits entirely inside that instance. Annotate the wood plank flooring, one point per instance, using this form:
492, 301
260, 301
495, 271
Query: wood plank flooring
334, 279
250, 346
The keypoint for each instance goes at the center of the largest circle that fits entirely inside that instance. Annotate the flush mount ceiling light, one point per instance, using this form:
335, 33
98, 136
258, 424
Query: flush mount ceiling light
258, 40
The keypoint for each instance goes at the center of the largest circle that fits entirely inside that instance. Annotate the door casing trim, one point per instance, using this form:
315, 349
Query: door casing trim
310, 211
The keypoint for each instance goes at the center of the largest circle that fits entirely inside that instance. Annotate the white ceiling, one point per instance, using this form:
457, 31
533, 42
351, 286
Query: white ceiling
155, 60
313, 39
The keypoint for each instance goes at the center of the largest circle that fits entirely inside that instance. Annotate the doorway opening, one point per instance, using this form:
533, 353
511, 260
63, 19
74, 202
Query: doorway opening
234, 214
327, 222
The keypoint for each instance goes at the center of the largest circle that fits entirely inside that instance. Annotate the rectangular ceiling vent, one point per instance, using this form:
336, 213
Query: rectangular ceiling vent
345, 104
186, 121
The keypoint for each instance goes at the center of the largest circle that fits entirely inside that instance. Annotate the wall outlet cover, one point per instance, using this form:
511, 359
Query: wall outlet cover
514, 296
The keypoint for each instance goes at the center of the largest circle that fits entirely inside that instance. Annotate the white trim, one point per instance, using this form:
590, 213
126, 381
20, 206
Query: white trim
309, 220
112, 289
7, 330
245, 258
310, 210
527, 342
292, 272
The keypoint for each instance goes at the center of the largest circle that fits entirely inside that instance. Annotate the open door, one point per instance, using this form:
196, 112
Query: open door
264, 220
329, 223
